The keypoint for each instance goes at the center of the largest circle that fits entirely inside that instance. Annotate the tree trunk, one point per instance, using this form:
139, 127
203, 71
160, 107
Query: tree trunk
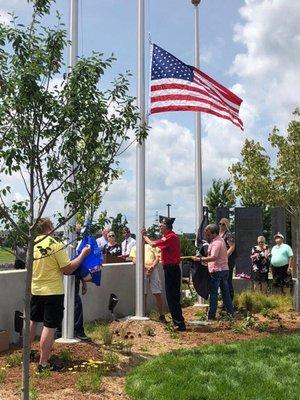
26, 326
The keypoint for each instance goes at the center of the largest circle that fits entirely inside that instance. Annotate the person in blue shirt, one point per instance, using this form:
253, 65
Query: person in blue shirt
282, 262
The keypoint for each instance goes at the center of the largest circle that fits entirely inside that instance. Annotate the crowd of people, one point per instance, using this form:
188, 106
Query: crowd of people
218, 259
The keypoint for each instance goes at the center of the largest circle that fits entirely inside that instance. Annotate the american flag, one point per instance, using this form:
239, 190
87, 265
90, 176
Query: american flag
176, 86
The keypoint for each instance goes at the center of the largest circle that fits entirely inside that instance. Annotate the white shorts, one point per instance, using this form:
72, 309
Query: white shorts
152, 281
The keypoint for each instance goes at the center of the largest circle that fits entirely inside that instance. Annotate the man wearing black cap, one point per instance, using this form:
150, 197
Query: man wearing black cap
169, 245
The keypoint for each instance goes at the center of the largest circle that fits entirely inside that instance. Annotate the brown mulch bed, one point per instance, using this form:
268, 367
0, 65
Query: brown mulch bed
133, 342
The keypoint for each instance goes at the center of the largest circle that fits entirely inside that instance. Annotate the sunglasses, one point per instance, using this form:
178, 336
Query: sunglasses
111, 236
222, 223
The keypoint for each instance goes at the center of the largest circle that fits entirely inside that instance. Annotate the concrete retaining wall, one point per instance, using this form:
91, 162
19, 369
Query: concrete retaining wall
116, 278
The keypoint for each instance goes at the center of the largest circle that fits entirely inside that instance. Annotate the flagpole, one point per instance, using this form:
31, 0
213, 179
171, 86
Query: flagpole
140, 167
69, 280
198, 149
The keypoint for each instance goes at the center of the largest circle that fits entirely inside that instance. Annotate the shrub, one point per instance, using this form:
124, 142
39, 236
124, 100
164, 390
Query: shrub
201, 314
255, 302
66, 355
33, 393
13, 360
149, 330
111, 360
3, 373
106, 335
92, 330
154, 315
89, 381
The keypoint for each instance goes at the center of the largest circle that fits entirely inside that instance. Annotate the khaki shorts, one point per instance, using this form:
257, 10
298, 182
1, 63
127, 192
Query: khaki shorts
152, 281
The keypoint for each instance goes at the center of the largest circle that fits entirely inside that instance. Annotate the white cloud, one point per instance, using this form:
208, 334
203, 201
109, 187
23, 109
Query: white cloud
12, 5
5, 18
269, 67
170, 170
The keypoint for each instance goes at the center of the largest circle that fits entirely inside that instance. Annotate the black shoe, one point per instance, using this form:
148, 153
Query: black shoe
82, 336
180, 328
49, 367
162, 319
33, 355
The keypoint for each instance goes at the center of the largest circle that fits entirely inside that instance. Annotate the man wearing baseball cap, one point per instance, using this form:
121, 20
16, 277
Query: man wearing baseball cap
169, 246
281, 261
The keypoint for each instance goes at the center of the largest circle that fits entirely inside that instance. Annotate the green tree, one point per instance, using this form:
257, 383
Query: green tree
117, 224
221, 194
258, 180
153, 232
187, 246
62, 139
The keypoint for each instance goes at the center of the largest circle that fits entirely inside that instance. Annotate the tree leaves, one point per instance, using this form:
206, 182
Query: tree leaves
260, 182
221, 194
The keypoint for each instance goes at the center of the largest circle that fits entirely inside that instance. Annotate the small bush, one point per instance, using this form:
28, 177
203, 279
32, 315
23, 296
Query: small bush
261, 326
66, 355
92, 329
255, 302
149, 330
90, 381
3, 373
243, 326
44, 374
14, 360
33, 393
111, 360
154, 315
106, 335
201, 314
187, 302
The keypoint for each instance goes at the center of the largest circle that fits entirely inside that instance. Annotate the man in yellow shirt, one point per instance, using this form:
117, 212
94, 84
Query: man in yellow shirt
47, 302
151, 276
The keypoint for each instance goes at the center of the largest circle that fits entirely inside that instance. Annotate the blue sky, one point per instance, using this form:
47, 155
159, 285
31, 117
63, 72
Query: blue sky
251, 46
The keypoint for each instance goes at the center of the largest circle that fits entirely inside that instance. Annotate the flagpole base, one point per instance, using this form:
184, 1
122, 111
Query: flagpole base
202, 305
196, 323
134, 318
67, 341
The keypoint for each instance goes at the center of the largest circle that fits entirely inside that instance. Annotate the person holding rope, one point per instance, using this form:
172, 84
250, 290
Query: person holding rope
169, 246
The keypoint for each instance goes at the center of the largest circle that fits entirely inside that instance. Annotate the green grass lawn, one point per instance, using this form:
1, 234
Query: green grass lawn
266, 369
5, 256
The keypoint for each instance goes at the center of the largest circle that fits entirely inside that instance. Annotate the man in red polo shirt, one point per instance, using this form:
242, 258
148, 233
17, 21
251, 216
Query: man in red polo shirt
169, 245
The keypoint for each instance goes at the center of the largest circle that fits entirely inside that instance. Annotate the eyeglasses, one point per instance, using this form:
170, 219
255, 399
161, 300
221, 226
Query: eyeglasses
222, 223
111, 236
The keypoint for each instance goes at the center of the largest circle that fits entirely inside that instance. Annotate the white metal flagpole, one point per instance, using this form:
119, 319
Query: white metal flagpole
140, 167
69, 281
198, 150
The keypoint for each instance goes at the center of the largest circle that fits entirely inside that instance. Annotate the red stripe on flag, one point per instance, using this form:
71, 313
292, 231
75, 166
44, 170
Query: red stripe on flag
156, 110
167, 86
181, 97
226, 91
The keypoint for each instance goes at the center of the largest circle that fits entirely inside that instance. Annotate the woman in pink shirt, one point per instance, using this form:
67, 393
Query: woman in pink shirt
217, 261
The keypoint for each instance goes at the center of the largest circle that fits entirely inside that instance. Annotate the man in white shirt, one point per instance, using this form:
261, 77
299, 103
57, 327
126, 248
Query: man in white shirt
127, 243
103, 240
